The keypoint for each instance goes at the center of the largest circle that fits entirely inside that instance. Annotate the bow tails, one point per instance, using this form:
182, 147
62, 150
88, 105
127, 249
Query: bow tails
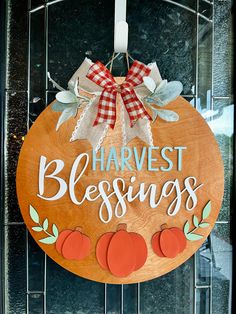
107, 108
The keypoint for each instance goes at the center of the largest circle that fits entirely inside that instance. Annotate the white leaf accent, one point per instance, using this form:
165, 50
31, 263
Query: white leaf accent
165, 93
167, 115
55, 230
168, 92
48, 240
58, 106
193, 236
54, 83
37, 229
154, 114
66, 97
206, 210
204, 225
149, 83
33, 214
161, 86
66, 114
45, 224
186, 228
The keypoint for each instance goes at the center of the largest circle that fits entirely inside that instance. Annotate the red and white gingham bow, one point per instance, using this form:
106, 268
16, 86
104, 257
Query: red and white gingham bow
100, 75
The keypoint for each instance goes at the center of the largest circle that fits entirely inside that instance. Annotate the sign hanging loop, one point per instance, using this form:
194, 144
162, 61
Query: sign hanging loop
120, 27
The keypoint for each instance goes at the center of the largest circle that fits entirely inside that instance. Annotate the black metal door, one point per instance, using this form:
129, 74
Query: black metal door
191, 40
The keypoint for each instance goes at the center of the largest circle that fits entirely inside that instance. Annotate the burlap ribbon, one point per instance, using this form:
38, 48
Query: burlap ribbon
95, 134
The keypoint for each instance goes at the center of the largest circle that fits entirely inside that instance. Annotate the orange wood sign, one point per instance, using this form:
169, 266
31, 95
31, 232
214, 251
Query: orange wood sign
122, 214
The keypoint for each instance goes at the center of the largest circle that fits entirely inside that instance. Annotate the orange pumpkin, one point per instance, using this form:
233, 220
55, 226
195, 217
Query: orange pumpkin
169, 242
73, 244
121, 252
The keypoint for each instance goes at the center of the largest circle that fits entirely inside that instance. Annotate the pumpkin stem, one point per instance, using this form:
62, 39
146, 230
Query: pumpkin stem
164, 226
78, 229
121, 227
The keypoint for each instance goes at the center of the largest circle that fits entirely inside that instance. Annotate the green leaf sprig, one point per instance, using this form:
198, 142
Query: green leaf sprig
67, 101
51, 238
161, 95
191, 235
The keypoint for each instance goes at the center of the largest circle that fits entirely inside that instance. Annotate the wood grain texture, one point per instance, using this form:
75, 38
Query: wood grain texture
202, 160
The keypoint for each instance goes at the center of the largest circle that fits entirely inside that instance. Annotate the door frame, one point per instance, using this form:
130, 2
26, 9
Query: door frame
3, 34
3, 15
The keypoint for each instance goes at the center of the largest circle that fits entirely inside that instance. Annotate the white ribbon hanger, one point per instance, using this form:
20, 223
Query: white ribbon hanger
120, 27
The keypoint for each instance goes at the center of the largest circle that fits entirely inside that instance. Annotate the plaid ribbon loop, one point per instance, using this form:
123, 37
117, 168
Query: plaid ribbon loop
100, 75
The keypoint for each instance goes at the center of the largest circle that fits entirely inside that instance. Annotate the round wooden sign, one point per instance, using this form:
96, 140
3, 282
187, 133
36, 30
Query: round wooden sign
123, 214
